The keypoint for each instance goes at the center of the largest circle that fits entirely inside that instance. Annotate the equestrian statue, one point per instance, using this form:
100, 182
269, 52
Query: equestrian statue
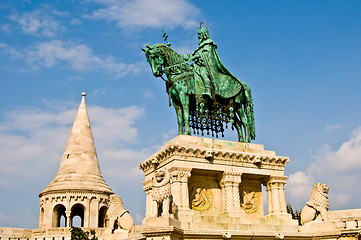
205, 95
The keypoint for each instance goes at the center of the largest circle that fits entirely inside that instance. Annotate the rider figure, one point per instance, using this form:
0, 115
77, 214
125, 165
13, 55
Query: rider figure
203, 62
209, 68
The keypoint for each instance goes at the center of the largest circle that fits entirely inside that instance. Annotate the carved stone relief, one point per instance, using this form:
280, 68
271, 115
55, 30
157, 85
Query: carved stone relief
251, 196
204, 192
202, 199
250, 201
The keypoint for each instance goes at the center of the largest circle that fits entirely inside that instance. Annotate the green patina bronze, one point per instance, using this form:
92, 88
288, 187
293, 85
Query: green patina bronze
205, 95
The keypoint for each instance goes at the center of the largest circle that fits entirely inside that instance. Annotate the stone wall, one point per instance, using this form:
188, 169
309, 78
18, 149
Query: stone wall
346, 219
15, 233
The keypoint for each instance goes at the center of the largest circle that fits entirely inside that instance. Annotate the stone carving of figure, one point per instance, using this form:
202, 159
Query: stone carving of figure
202, 199
118, 216
250, 202
162, 195
316, 208
199, 199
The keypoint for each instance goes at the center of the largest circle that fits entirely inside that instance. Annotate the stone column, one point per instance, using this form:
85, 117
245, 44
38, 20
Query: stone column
269, 199
281, 191
230, 190
276, 195
184, 177
48, 220
236, 194
93, 211
88, 214
68, 219
149, 204
176, 187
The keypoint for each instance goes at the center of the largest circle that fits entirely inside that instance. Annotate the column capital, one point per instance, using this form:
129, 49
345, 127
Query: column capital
67, 213
179, 174
278, 179
147, 185
275, 181
230, 178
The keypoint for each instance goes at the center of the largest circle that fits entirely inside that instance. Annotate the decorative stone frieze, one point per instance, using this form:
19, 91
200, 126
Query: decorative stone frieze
241, 159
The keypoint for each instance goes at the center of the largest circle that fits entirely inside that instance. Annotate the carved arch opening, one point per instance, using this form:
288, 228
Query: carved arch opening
58, 214
77, 215
102, 222
41, 217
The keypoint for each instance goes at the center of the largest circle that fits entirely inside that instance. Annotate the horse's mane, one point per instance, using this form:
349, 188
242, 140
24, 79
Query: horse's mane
173, 58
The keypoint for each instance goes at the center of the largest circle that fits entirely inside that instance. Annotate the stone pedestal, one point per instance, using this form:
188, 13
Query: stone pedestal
319, 227
217, 185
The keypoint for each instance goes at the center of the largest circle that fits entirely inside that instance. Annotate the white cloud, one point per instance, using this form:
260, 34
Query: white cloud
339, 169
6, 27
112, 125
75, 22
32, 142
80, 58
31, 137
331, 127
38, 23
148, 93
346, 158
146, 13
171, 133
8, 50
298, 188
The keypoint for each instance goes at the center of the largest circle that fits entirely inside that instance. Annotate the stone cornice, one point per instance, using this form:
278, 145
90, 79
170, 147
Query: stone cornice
242, 158
74, 191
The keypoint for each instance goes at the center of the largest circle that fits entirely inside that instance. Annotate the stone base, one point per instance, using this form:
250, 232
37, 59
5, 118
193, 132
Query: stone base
217, 184
118, 234
224, 221
319, 227
161, 222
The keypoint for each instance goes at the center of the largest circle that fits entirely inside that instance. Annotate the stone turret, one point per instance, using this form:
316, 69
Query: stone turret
78, 189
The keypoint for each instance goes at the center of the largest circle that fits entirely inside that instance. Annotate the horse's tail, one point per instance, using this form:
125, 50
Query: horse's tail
248, 108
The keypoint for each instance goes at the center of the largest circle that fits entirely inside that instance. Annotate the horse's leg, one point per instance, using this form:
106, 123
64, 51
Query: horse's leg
184, 98
238, 125
244, 122
239, 101
178, 109
179, 113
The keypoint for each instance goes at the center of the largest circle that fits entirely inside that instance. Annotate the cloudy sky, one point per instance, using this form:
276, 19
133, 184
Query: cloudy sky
302, 60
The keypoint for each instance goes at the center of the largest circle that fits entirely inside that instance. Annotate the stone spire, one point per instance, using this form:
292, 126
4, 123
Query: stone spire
79, 167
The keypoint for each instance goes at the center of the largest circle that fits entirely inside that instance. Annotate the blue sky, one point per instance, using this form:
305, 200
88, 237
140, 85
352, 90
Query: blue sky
302, 60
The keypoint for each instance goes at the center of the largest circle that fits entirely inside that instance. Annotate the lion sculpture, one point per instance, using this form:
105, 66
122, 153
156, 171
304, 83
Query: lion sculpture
118, 216
162, 195
318, 205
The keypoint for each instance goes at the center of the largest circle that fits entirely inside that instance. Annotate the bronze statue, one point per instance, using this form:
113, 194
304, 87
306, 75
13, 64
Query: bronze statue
205, 95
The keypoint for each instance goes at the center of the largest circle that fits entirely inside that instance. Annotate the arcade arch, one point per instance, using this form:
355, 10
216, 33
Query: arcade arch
101, 220
77, 211
58, 213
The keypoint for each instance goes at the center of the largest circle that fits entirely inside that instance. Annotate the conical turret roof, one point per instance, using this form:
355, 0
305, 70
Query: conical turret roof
79, 167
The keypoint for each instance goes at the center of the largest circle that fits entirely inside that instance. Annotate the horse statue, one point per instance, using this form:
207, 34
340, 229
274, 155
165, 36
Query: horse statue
194, 106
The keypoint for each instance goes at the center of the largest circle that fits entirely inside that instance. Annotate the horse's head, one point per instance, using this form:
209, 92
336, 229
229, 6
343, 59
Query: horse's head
155, 58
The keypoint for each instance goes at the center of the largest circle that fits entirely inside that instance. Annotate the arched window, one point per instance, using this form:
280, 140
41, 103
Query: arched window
41, 218
58, 213
101, 220
77, 215
62, 221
